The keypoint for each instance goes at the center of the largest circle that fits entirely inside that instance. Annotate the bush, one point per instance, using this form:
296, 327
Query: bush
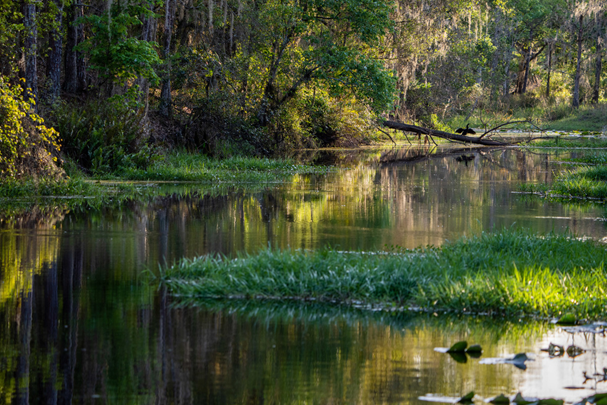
104, 136
27, 146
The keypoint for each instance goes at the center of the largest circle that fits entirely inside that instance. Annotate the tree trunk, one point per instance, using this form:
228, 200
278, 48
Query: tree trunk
165, 93
527, 64
441, 134
55, 53
74, 80
549, 70
521, 77
147, 34
507, 74
31, 51
578, 70
597, 72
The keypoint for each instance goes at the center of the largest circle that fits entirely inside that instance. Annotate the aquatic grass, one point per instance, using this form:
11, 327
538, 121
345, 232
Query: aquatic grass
510, 272
571, 142
12, 188
585, 182
594, 158
183, 166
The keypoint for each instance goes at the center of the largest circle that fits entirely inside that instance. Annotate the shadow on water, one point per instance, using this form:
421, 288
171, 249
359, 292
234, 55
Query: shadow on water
83, 324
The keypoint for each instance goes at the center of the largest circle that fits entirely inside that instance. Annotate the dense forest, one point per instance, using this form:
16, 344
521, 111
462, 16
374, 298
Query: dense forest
104, 84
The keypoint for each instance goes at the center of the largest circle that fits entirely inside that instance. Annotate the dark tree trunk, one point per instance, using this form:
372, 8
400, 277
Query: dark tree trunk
527, 63
522, 69
165, 93
74, 80
148, 34
55, 53
578, 70
597, 71
549, 70
441, 134
31, 52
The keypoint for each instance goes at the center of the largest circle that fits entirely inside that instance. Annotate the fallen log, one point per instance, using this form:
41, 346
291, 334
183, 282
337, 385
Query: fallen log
442, 134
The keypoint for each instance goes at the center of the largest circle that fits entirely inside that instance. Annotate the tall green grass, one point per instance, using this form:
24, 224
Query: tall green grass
182, 166
510, 273
586, 182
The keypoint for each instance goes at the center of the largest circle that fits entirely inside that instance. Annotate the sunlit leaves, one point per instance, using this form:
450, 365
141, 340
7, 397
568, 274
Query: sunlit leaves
112, 50
20, 129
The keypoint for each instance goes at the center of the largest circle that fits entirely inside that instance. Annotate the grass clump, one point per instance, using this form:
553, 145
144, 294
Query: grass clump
572, 142
181, 166
12, 188
586, 182
510, 272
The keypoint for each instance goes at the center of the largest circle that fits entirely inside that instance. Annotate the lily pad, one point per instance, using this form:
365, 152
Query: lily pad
550, 401
459, 347
467, 398
567, 319
500, 399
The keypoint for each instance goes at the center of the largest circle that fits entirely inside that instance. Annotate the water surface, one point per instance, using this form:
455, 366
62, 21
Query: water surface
82, 323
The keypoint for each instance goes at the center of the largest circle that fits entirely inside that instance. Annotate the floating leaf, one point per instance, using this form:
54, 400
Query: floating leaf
500, 399
550, 401
467, 398
459, 347
567, 319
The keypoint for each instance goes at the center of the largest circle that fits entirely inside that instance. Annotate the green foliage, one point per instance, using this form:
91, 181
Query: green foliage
113, 51
182, 166
510, 272
105, 136
293, 50
22, 133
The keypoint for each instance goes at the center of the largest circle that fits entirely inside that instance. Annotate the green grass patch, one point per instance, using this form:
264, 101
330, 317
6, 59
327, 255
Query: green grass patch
181, 166
11, 188
586, 182
572, 142
510, 272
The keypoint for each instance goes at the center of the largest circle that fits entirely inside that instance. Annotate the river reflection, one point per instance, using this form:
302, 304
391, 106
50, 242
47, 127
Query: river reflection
83, 324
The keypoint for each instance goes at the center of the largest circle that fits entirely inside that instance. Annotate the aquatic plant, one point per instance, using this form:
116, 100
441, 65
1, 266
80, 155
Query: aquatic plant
183, 166
510, 272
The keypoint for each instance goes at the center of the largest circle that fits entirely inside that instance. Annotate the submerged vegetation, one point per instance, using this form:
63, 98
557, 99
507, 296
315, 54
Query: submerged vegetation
511, 273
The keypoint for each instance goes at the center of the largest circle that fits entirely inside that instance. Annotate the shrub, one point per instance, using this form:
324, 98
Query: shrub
27, 146
104, 136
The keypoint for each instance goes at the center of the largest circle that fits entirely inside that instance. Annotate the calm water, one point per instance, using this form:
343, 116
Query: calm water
82, 323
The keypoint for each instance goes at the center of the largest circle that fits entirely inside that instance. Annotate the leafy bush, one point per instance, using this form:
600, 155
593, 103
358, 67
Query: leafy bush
104, 136
26, 145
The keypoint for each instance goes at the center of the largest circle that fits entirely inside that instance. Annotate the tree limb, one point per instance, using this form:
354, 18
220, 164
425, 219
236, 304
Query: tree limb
441, 134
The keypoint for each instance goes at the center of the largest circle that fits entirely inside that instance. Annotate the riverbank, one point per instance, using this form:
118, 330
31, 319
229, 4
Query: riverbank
511, 273
175, 166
